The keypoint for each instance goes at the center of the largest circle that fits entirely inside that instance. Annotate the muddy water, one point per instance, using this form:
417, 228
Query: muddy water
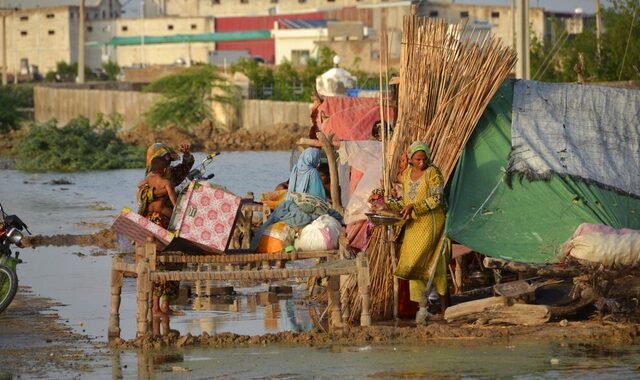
78, 277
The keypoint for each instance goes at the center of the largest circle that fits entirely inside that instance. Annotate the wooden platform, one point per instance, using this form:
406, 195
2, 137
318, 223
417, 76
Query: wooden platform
146, 273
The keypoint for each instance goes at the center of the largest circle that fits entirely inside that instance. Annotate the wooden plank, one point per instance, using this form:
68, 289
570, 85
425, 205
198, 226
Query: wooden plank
173, 257
270, 274
498, 310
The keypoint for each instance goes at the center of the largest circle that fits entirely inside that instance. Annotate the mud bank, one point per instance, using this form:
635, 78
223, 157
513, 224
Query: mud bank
105, 238
208, 138
435, 333
36, 343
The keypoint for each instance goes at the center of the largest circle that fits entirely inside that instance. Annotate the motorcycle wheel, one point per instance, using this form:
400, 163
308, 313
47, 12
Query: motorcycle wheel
8, 286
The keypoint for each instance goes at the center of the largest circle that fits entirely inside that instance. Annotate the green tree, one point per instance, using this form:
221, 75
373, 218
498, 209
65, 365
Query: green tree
557, 58
112, 69
186, 97
285, 78
261, 76
12, 99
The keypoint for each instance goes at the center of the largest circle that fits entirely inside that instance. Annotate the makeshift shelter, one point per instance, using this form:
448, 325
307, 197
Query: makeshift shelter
543, 159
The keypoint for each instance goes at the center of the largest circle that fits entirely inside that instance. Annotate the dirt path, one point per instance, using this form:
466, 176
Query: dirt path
34, 342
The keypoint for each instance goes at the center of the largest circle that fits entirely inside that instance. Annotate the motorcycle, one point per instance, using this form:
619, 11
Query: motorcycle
10, 234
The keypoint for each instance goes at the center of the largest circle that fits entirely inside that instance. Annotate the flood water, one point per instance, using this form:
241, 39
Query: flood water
79, 277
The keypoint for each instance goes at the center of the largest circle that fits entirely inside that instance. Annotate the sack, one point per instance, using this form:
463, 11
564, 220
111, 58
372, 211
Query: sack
321, 235
606, 245
310, 204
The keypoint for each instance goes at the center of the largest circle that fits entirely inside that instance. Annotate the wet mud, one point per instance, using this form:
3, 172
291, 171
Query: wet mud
104, 238
35, 342
437, 332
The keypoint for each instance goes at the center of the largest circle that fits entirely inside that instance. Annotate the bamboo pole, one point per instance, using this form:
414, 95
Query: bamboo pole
363, 289
333, 171
116, 292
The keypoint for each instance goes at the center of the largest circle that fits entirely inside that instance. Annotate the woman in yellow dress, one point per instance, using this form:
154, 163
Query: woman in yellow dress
425, 250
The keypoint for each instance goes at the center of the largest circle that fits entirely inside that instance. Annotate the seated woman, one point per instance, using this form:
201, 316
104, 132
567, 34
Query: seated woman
305, 179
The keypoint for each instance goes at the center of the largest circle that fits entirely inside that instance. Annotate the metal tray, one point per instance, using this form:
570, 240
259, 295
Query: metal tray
383, 220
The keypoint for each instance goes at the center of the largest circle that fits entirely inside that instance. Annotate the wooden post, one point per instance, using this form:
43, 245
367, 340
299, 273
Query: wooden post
143, 285
391, 245
150, 252
363, 288
116, 291
333, 171
246, 228
334, 301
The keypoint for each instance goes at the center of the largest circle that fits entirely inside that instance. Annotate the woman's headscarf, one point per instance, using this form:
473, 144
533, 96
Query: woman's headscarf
305, 177
159, 150
419, 146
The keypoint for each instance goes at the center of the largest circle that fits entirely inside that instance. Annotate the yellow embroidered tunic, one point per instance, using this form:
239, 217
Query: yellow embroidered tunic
424, 238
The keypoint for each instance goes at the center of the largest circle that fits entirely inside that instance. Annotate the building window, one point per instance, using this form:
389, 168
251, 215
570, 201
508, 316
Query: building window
89, 28
495, 14
433, 13
194, 26
50, 15
244, 1
51, 32
170, 27
24, 18
464, 14
274, 1
124, 28
215, 2
302, 1
331, 1
23, 32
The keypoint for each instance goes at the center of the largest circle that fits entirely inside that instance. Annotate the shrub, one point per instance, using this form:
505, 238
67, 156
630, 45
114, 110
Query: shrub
12, 98
78, 146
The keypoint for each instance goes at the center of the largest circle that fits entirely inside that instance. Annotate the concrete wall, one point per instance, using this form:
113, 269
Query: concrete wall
260, 115
64, 104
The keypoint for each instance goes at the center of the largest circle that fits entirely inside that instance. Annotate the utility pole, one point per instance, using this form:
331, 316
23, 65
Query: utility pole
142, 55
512, 27
522, 40
5, 79
81, 30
598, 30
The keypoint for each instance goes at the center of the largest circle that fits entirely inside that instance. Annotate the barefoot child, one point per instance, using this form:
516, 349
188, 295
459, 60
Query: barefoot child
158, 198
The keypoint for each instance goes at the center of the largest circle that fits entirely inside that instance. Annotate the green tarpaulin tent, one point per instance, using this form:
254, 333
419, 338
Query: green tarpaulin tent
505, 215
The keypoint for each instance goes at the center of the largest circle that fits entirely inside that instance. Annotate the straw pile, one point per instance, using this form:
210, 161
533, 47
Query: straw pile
448, 75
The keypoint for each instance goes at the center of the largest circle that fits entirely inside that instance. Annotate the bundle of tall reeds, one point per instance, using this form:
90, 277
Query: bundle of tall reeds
448, 75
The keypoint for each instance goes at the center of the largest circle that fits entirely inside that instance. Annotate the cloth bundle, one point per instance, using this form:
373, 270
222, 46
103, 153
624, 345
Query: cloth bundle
603, 244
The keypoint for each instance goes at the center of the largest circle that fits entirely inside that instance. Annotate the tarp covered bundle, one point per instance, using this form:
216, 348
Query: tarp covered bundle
575, 159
